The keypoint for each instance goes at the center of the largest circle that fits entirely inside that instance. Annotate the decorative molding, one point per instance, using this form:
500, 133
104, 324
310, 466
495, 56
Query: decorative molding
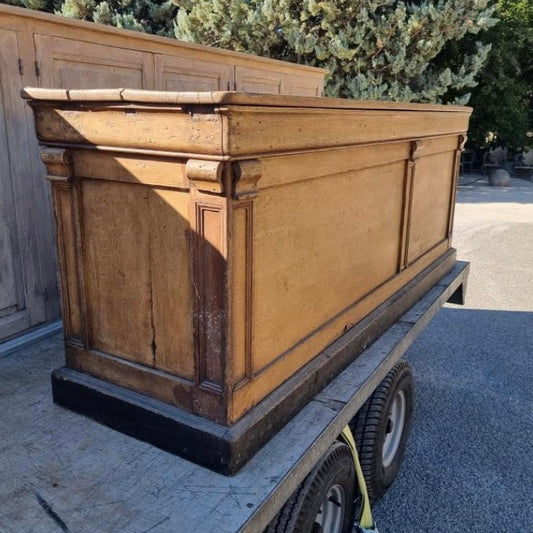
242, 269
407, 208
209, 277
65, 197
461, 141
206, 175
415, 152
247, 175
58, 164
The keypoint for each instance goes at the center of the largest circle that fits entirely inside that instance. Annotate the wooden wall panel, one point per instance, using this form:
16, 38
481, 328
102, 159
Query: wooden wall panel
255, 80
44, 227
189, 74
138, 274
11, 283
299, 85
171, 278
431, 191
315, 248
22, 303
71, 64
116, 241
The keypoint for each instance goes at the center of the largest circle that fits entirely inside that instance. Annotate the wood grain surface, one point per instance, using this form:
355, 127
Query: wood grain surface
47, 51
225, 244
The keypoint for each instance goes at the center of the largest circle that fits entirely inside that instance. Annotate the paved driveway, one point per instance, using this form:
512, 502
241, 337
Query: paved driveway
469, 465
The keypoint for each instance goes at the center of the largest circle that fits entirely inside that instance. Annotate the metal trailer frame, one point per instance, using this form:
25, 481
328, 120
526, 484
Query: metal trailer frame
64, 472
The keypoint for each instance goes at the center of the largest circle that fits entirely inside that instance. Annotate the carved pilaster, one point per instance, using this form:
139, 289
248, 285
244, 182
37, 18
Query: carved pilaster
461, 142
415, 149
242, 294
245, 189
64, 195
209, 265
58, 164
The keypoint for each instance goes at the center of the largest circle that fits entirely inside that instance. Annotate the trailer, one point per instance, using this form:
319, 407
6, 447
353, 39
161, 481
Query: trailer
240, 276
191, 230
63, 472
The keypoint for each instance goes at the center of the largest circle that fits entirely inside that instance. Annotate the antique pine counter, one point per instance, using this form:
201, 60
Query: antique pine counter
212, 245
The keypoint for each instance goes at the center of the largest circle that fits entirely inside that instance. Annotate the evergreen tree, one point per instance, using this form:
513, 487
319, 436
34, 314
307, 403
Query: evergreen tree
39, 5
150, 16
375, 49
503, 101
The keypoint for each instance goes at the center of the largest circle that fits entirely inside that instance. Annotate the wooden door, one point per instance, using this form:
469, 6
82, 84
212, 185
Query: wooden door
73, 64
254, 80
23, 290
174, 73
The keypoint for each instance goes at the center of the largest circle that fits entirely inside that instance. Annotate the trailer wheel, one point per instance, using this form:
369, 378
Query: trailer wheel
381, 429
325, 501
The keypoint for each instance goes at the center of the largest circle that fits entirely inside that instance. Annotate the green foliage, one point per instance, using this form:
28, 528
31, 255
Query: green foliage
376, 49
503, 102
39, 5
150, 16
411, 50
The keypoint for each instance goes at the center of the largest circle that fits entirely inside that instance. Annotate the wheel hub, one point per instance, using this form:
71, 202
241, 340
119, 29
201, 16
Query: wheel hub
394, 430
330, 516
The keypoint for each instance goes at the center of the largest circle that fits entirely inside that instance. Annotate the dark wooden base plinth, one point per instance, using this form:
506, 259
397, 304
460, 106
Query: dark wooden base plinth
226, 449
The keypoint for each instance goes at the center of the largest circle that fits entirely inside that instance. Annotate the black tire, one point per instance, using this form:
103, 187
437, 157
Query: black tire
371, 425
336, 468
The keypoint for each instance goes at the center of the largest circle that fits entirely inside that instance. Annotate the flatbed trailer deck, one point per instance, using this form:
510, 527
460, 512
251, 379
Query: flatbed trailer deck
64, 472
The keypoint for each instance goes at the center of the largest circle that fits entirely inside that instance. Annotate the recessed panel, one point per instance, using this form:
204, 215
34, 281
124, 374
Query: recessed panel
117, 269
187, 74
253, 80
319, 246
432, 185
70, 64
171, 282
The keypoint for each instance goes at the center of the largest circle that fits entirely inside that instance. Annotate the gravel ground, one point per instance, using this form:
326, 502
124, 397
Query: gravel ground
469, 463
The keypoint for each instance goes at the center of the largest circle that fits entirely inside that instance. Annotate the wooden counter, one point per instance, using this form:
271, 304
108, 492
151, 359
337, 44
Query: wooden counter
212, 244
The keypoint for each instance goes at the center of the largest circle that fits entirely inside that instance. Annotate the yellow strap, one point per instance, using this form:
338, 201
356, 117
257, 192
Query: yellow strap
366, 521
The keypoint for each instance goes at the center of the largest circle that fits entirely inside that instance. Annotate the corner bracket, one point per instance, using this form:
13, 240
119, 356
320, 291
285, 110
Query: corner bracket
415, 149
247, 175
206, 175
58, 164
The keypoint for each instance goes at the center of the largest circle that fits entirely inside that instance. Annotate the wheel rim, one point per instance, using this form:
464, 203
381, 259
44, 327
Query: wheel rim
330, 516
395, 423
